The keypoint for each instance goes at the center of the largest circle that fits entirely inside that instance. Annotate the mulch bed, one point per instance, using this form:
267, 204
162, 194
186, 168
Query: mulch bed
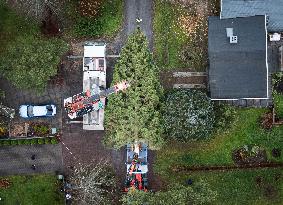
243, 157
183, 168
267, 121
50, 24
5, 183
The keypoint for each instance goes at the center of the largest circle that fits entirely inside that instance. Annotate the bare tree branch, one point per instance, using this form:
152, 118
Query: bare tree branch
93, 184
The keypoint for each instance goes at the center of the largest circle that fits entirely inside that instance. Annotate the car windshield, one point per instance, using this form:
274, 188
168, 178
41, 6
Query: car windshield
49, 110
30, 111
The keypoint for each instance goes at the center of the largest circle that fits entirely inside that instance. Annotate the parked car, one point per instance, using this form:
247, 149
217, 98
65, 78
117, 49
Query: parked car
30, 111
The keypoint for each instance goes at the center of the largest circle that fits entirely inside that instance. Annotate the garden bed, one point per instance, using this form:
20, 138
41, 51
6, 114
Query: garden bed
4, 127
34, 129
29, 141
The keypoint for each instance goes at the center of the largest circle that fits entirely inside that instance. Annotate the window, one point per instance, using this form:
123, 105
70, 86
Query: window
30, 111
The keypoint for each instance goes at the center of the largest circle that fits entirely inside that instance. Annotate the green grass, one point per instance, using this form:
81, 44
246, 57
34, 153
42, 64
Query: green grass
13, 26
169, 37
20, 37
32, 190
278, 104
218, 151
106, 24
180, 34
239, 186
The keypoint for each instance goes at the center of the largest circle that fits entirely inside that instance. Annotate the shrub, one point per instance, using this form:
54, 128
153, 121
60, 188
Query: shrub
14, 142
267, 120
33, 141
40, 130
40, 141
27, 142
278, 103
249, 154
54, 141
20, 142
225, 115
276, 152
7, 142
188, 114
47, 140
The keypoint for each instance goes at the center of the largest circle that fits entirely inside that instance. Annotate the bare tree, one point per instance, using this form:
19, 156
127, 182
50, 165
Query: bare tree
37, 8
93, 184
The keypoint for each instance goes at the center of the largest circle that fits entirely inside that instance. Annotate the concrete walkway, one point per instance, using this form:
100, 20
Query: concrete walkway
17, 159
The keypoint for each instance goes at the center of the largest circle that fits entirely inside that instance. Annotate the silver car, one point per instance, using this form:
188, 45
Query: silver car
30, 111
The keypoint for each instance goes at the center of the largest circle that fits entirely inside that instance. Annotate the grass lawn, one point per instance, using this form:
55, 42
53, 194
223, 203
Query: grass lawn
32, 190
278, 104
180, 33
13, 26
218, 151
106, 23
253, 187
169, 37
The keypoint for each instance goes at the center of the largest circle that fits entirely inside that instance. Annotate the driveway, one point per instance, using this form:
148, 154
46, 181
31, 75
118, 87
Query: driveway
86, 147
17, 159
133, 10
139, 9
15, 97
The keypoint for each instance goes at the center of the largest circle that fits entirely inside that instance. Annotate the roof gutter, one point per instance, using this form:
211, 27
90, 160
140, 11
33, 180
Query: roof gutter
220, 8
239, 99
266, 60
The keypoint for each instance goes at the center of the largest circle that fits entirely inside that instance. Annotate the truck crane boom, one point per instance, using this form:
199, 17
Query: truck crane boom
85, 102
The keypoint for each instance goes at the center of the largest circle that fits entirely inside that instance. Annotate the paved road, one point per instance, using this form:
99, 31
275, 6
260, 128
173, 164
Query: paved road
17, 159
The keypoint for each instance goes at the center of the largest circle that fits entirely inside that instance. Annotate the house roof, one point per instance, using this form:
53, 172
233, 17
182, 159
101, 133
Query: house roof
243, 8
238, 70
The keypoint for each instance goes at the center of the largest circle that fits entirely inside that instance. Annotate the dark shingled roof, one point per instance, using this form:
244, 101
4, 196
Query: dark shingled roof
243, 8
237, 70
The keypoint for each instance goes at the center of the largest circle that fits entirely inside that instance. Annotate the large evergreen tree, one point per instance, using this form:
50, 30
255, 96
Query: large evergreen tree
134, 115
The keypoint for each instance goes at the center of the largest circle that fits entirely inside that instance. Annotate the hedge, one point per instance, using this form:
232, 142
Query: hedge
48, 140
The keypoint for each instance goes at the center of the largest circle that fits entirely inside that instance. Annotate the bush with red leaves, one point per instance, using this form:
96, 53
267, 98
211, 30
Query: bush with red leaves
5, 183
89, 8
266, 121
